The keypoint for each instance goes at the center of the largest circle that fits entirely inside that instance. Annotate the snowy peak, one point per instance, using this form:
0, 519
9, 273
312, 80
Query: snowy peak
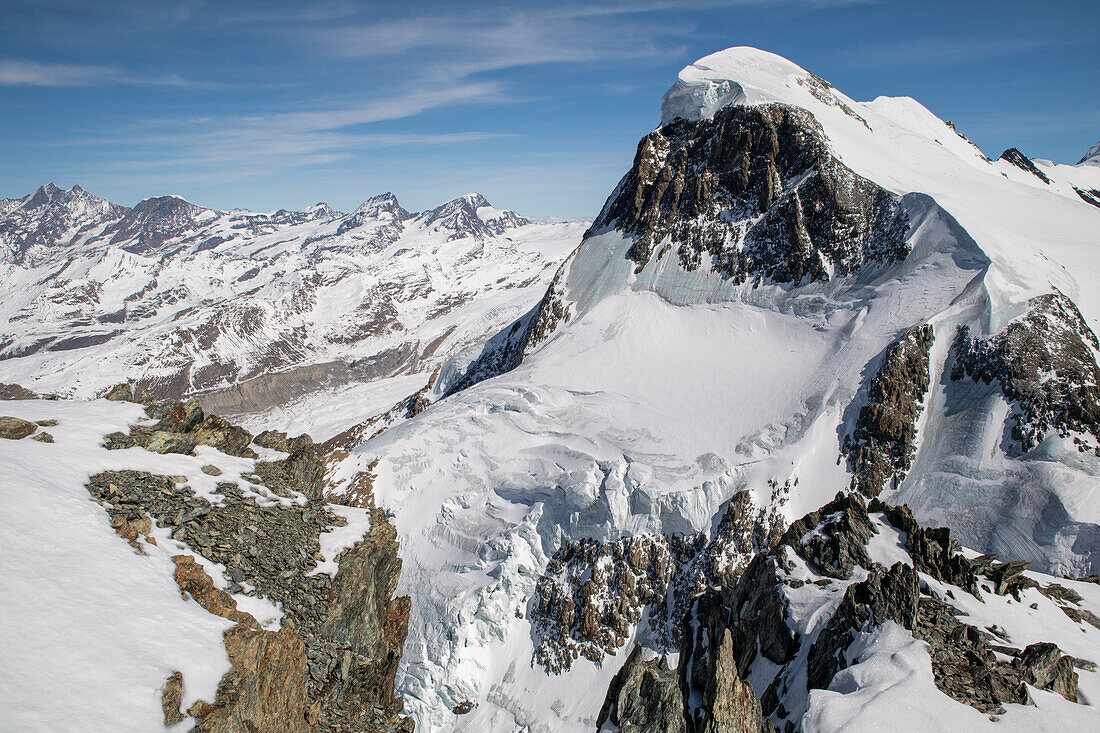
744, 76
155, 220
1092, 157
51, 217
382, 215
1021, 161
384, 205
470, 215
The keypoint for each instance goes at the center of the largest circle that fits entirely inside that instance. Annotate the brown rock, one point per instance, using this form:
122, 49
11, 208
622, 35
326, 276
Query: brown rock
120, 393
266, 688
170, 698
733, 706
193, 581
14, 428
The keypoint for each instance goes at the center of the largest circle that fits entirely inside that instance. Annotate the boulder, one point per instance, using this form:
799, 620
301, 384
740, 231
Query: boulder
14, 428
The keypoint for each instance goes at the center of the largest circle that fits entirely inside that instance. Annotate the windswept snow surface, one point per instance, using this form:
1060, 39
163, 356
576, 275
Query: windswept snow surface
669, 391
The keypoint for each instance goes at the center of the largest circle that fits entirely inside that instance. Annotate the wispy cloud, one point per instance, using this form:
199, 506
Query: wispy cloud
14, 72
456, 47
260, 144
951, 51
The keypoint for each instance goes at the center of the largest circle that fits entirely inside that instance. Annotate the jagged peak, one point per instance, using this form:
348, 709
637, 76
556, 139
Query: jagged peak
1092, 157
1017, 158
166, 201
471, 215
383, 203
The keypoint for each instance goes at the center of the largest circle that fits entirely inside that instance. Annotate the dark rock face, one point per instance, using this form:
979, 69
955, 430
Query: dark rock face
592, 594
833, 539
756, 189
1045, 363
889, 595
932, 549
963, 663
1021, 161
1044, 666
504, 351
644, 697
881, 446
1089, 195
729, 704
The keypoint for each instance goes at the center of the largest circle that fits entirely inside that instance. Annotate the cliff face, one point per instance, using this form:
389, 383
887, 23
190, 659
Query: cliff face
756, 189
1044, 362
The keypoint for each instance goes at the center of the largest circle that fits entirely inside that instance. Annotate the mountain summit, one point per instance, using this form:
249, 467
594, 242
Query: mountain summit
791, 294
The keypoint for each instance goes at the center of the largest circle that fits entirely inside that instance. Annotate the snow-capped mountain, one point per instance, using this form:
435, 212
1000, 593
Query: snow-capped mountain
182, 299
803, 435
791, 294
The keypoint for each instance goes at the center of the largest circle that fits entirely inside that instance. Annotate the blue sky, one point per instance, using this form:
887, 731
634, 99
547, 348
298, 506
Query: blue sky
539, 106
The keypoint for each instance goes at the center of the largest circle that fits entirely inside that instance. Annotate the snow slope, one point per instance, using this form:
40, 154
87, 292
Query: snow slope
668, 390
91, 629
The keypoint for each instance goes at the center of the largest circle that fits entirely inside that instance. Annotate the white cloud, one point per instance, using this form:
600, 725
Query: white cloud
14, 72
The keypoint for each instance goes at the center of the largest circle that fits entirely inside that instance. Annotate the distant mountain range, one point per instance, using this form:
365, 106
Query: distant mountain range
182, 299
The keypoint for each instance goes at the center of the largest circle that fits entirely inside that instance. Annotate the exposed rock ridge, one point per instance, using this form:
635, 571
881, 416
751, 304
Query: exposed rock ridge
1045, 363
592, 594
757, 190
1089, 195
1021, 161
881, 446
331, 666
747, 616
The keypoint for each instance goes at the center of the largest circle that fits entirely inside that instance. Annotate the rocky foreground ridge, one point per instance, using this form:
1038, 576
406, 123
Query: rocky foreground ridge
804, 615
328, 662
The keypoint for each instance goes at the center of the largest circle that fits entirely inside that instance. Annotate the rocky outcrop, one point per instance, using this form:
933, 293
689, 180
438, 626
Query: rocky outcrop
1089, 195
592, 594
15, 428
16, 392
302, 470
644, 697
833, 539
180, 427
881, 446
1021, 161
331, 665
886, 595
756, 190
745, 616
1045, 363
